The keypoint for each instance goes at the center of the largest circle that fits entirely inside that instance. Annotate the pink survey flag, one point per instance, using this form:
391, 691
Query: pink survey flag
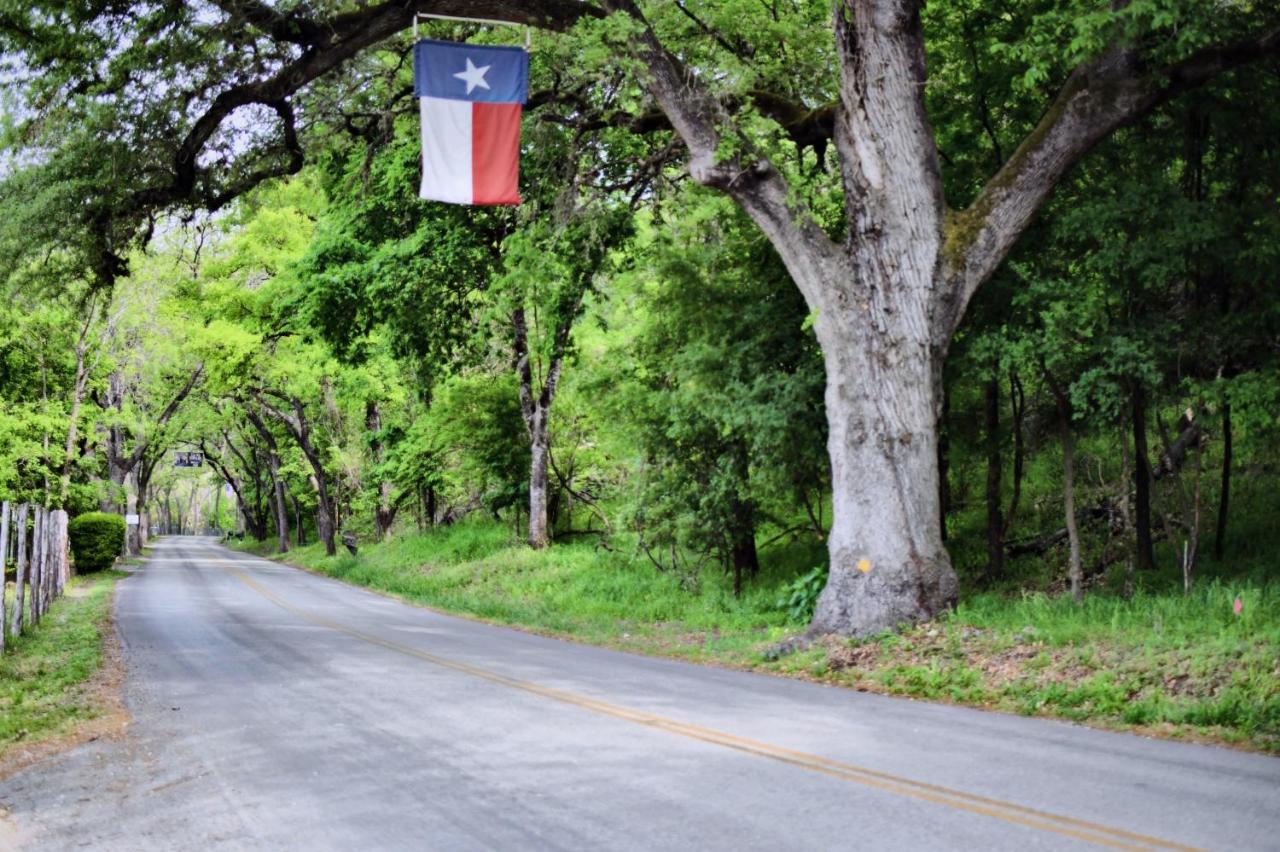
471, 97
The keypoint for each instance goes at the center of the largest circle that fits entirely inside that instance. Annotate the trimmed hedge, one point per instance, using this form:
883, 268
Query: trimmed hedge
97, 538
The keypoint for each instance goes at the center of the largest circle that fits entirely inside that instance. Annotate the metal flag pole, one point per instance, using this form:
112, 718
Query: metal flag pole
418, 15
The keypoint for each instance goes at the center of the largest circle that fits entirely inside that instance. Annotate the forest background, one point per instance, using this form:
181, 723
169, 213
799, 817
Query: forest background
602, 413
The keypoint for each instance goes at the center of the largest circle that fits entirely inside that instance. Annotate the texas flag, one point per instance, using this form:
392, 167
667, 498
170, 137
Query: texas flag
471, 98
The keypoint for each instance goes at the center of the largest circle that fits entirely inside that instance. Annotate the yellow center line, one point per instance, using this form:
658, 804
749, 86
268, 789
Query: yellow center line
1010, 812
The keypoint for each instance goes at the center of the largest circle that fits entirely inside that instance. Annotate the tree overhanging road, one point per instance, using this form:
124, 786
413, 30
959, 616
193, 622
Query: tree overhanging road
273, 708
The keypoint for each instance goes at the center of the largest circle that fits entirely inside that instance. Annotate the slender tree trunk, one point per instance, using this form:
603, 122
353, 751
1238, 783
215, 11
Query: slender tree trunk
73, 418
1191, 550
539, 536
295, 422
1224, 496
1018, 407
325, 527
384, 513
133, 534
1144, 555
144, 515
278, 501
1126, 517
1069, 507
297, 519
995, 478
277, 486
944, 471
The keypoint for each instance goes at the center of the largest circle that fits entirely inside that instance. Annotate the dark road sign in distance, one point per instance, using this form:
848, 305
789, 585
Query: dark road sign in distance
188, 459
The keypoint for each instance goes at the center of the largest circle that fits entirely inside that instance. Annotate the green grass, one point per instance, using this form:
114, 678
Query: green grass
577, 589
1172, 664
43, 674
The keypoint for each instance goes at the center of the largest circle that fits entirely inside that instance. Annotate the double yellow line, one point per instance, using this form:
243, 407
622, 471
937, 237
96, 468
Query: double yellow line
1009, 812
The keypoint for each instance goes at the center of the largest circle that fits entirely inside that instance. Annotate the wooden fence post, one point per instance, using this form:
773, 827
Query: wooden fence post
33, 581
4, 564
49, 570
63, 548
21, 576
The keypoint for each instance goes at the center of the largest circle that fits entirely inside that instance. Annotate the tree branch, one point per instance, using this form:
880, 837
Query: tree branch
1099, 97
746, 175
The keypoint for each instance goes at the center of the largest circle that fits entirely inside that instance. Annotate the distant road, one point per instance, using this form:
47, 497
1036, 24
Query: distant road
274, 709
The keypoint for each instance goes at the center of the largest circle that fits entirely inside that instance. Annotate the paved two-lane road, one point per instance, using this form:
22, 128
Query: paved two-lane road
276, 709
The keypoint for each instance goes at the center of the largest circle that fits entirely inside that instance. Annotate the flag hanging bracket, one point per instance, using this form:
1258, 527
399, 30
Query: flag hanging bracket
528, 35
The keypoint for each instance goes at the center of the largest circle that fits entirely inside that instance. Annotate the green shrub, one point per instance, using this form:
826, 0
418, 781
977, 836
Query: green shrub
97, 538
801, 596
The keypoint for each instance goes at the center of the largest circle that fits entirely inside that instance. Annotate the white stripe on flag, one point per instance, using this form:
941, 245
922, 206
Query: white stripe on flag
446, 150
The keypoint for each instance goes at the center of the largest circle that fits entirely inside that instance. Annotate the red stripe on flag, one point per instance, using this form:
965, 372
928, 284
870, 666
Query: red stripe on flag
495, 153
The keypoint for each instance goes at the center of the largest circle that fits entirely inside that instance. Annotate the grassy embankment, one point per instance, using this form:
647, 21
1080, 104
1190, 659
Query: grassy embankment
46, 675
1162, 662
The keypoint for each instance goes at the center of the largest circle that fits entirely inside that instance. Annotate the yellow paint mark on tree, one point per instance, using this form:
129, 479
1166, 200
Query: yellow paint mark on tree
864, 565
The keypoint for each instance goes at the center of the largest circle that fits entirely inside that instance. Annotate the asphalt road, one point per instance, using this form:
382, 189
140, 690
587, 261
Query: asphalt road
275, 709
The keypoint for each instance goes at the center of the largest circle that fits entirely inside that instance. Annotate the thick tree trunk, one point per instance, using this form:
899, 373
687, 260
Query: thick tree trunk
888, 564
1144, 556
995, 478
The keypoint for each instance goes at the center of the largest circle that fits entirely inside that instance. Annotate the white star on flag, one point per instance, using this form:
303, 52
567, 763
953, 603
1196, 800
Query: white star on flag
473, 76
